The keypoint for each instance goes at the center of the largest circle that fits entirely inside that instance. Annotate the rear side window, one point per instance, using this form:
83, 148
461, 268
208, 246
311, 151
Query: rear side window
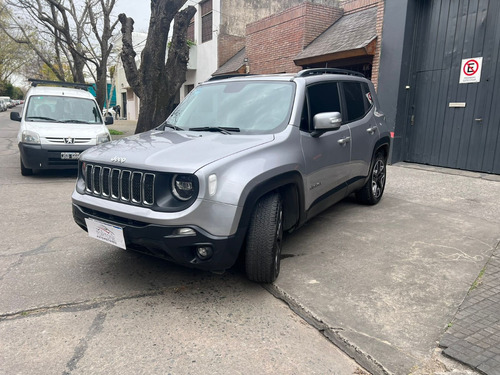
357, 100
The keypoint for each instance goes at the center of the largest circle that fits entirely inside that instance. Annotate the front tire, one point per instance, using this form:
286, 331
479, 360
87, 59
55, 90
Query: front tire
372, 191
264, 240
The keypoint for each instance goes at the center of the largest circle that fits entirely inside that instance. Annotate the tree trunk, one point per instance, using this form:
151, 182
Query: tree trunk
157, 82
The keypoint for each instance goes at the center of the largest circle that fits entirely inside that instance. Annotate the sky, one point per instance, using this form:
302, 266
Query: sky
138, 10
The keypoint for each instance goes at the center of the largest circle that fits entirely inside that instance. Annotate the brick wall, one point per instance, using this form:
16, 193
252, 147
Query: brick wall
273, 42
351, 6
229, 45
318, 19
376, 57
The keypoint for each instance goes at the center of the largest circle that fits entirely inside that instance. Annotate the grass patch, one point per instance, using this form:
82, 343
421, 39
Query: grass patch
478, 280
115, 132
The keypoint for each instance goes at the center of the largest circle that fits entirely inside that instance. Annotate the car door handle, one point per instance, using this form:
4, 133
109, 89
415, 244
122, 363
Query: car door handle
344, 141
371, 130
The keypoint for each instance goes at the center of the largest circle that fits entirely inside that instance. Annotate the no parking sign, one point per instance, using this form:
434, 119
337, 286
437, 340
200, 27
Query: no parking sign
470, 71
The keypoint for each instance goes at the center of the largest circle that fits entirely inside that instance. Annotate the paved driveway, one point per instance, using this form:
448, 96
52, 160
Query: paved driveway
384, 282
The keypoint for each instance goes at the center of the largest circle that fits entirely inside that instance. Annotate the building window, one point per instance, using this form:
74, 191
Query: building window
190, 31
206, 21
188, 89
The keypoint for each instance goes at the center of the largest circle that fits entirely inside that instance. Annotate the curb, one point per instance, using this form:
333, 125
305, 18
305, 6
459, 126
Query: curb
363, 359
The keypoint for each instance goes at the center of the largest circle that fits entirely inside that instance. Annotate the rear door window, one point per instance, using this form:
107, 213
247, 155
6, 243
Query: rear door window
357, 100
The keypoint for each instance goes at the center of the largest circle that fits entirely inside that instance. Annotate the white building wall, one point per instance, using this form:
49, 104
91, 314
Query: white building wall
206, 53
122, 86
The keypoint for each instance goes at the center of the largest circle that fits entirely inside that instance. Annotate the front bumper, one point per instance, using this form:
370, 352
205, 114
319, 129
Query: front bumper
162, 242
41, 157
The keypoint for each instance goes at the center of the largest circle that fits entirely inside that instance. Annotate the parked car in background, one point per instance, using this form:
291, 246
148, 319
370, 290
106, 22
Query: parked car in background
57, 124
106, 112
240, 161
5, 103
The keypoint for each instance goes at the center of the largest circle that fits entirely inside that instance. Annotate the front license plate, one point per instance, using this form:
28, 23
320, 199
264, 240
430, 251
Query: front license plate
111, 234
70, 155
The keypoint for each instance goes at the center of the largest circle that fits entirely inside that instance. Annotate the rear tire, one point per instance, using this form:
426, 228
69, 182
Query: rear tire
25, 171
372, 191
264, 240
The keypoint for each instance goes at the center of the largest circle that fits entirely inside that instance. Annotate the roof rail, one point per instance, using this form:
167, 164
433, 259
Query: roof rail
316, 71
36, 82
227, 76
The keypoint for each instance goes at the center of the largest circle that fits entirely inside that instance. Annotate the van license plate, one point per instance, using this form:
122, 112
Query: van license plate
70, 155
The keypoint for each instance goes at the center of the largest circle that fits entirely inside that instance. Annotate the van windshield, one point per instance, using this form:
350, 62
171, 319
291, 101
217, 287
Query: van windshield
255, 107
62, 109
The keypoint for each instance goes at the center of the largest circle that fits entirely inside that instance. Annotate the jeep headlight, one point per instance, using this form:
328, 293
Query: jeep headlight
184, 186
30, 137
103, 138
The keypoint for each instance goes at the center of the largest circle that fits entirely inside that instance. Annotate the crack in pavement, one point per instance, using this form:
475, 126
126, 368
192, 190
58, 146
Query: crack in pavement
95, 328
42, 249
83, 305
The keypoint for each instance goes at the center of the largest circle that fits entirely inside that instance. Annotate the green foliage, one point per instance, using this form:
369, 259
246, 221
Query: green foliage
8, 89
190, 43
478, 280
48, 74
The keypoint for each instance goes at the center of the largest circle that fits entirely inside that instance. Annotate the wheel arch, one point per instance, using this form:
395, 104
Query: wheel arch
291, 189
383, 144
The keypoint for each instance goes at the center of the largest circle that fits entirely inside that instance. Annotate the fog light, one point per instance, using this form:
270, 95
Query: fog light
204, 252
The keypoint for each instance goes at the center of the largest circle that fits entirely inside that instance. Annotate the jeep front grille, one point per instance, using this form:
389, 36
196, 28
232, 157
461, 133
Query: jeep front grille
118, 184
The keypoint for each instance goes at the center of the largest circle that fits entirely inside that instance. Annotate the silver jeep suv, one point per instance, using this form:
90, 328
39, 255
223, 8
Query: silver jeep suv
240, 161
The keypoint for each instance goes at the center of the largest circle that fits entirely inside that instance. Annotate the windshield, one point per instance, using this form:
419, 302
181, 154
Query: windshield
256, 107
63, 109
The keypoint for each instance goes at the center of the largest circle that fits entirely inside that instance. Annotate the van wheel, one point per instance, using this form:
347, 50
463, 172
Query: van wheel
264, 240
372, 191
25, 171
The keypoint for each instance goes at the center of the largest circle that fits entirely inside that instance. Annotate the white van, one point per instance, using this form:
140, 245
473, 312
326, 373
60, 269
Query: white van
57, 124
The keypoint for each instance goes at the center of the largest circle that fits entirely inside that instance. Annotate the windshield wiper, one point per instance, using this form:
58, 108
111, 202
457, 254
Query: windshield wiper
74, 121
221, 129
167, 125
41, 118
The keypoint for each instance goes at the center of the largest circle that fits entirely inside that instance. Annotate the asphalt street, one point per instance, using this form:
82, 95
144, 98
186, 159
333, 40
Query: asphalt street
73, 305
378, 284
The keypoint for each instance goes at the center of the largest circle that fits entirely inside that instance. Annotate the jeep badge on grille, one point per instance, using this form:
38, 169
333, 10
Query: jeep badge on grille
117, 159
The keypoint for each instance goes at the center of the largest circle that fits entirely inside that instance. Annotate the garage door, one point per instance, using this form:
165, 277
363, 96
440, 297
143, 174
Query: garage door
449, 123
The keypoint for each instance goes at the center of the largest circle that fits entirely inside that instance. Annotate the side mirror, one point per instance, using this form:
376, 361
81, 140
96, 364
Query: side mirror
109, 120
15, 116
327, 121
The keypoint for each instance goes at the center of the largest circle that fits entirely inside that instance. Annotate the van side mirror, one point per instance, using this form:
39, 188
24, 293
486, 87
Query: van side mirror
326, 121
15, 116
109, 120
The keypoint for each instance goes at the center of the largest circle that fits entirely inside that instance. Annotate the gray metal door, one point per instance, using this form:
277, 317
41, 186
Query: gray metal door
454, 124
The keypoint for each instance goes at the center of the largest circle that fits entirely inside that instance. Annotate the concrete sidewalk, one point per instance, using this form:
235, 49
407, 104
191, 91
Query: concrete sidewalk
127, 127
384, 283
389, 284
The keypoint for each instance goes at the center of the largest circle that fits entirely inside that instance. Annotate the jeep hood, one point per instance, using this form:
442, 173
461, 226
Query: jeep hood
174, 151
